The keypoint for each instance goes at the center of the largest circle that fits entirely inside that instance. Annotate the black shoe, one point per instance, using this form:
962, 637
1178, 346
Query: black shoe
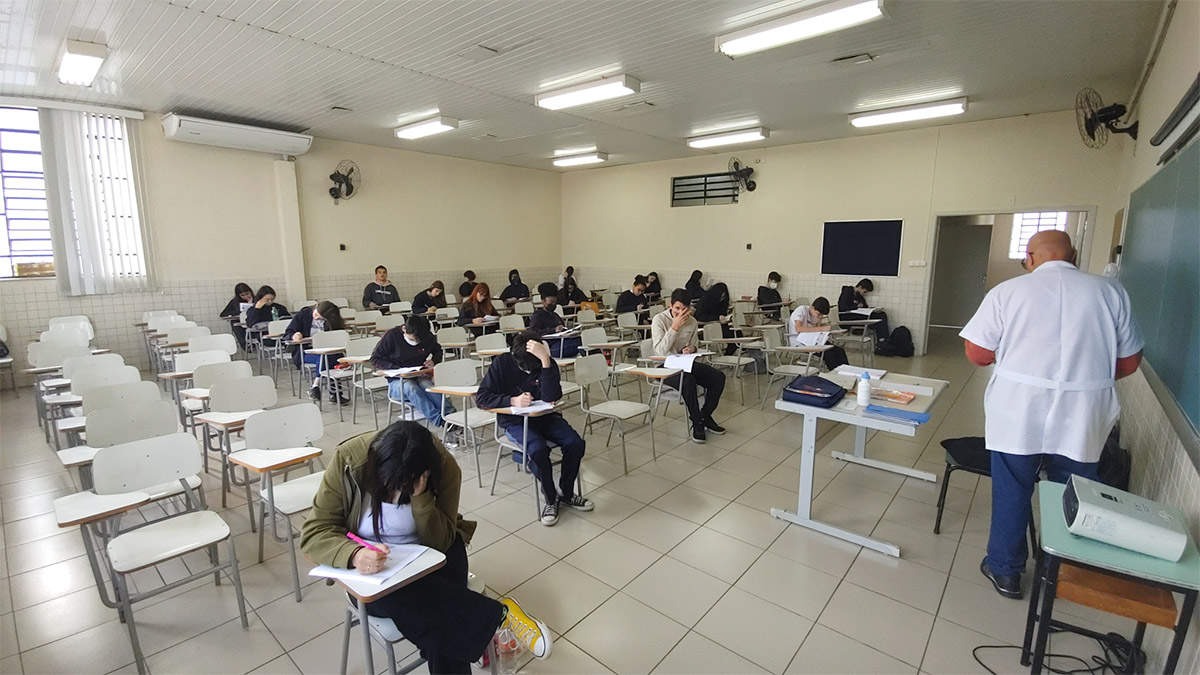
698, 434
711, 425
315, 393
1008, 585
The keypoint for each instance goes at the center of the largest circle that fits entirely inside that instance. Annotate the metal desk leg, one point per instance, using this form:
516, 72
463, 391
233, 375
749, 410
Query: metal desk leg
1049, 590
1181, 629
859, 457
368, 657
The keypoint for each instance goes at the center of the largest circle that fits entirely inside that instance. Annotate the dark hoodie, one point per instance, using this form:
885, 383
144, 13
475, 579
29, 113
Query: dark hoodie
505, 379
515, 289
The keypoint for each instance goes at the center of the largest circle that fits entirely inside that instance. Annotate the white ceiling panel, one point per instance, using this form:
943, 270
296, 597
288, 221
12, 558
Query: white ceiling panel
286, 64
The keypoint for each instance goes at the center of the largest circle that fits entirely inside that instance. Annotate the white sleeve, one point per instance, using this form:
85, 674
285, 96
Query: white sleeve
985, 328
1129, 338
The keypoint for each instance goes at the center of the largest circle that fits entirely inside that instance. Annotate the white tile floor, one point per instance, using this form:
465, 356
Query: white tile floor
680, 569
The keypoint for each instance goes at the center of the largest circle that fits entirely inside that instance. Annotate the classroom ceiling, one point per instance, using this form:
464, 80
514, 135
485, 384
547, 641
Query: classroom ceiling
287, 64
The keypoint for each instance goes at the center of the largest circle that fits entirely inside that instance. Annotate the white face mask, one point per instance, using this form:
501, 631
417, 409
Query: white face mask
772, 285
410, 340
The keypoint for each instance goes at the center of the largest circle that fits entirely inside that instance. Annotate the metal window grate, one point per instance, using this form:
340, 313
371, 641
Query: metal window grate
704, 190
1025, 225
25, 248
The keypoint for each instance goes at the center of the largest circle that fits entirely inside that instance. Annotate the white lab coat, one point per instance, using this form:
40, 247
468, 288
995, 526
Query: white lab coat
1057, 334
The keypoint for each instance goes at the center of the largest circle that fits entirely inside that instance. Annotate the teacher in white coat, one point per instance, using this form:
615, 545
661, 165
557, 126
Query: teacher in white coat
1059, 339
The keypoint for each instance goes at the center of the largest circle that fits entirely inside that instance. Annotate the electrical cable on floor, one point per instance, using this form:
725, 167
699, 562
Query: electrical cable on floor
1116, 659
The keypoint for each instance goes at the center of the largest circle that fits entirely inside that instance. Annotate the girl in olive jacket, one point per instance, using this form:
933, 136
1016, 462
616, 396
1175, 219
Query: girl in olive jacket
401, 486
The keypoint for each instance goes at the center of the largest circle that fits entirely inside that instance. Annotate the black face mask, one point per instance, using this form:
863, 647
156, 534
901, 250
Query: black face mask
551, 305
514, 279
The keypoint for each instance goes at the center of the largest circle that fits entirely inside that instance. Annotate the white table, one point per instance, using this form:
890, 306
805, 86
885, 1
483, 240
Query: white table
861, 423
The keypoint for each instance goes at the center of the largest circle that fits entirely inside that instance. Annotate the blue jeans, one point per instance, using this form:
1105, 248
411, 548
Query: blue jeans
413, 391
557, 430
1013, 477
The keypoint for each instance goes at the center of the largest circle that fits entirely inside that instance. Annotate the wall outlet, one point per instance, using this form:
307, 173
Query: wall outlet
748, 246
341, 247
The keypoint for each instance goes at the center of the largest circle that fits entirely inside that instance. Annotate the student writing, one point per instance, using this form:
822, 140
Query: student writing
430, 300
515, 291
242, 295
545, 321
633, 299
324, 316
408, 346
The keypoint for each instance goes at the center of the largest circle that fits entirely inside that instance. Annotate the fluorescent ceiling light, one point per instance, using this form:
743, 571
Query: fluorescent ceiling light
576, 160
428, 127
80, 62
827, 18
590, 92
908, 113
574, 151
730, 137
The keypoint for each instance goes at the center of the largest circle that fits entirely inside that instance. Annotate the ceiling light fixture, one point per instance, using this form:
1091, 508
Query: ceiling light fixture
577, 160
574, 151
80, 61
427, 127
590, 92
827, 18
909, 113
729, 137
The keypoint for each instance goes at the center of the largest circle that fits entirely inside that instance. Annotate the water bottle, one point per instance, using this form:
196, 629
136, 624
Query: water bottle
507, 652
864, 390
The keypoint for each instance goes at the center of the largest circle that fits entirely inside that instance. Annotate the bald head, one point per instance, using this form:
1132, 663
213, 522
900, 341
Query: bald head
1050, 245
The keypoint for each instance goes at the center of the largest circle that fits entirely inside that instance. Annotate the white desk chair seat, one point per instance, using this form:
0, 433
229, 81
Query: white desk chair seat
565, 362
79, 455
69, 424
171, 488
296, 495
62, 399
52, 383
165, 540
619, 409
192, 404
478, 418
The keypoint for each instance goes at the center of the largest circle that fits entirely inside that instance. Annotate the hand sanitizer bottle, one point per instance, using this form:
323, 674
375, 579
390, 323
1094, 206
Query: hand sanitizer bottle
864, 390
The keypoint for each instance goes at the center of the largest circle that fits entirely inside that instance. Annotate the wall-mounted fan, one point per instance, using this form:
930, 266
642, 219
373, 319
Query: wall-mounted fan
1096, 120
347, 181
742, 173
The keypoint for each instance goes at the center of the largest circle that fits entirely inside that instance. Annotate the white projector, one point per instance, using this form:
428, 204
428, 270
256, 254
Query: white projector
1116, 517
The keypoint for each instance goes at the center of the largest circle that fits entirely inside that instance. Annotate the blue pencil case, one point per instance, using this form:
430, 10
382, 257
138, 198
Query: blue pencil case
884, 411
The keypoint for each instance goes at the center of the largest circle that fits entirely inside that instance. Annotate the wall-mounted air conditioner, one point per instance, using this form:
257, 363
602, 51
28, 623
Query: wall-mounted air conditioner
229, 135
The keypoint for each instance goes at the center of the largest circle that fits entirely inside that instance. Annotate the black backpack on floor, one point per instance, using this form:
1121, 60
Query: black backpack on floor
899, 343
834, 357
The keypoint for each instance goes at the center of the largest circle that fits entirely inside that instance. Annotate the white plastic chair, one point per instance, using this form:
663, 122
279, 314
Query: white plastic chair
141, 466
279, 438
123, 424
297, 306
403, 308
359, 347
780, 369
236, 396
444, 316
204, 377
592, 369
177, 340
129, 394
457, 336
512, 323
81, 383
523, 308
72, 335
451, 299
367, 316
275, 351
78, 320
464, 373
328, 339
146, 316
340, 302
735, 363
388, 322
223, 342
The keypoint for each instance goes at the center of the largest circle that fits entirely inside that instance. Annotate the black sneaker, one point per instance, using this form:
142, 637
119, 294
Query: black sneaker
698, 434
577, 502
550, 513
315, 393
1008, 585
711, 425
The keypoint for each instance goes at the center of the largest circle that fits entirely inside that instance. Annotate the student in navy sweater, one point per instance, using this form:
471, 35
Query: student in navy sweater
408, 346
325, 316
516, 291
545, 321
525, 374
570, 296
769, 300
242, 294
265, 309
634, 298
432, 298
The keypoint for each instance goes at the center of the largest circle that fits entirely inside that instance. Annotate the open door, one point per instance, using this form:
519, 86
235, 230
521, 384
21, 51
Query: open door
960, 269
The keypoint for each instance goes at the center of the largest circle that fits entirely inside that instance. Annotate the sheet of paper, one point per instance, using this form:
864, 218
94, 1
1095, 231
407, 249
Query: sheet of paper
812, 339
681, 361
566, 333
400, 371
491, 317
865, 311
399, 557
536, 406
847, 404
876, 373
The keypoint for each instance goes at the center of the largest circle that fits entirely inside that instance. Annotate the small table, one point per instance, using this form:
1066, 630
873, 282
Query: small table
463, 392
855, 418
225, 423
424, 372
1059, 545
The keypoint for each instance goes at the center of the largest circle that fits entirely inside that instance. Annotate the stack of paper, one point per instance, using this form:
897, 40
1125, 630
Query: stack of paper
535, 407
812, 339
400, 371
865, 311
399, 557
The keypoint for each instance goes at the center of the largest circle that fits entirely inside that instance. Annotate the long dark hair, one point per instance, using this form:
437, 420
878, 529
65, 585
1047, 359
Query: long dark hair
264, 291
397, 457
242, 287
715, 300
481, 309
332, 315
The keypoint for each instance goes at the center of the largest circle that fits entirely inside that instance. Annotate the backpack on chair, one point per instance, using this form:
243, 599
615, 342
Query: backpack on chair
834, 357
899, 343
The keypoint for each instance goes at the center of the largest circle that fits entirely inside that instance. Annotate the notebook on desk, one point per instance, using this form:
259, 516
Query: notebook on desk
399, 557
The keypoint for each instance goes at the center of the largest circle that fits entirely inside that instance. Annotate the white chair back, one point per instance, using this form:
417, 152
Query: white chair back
452, 334
340, 302
445, 313
457, 373
251, 393
187, 363
363, 346
137, 465
122, 424
586, 316
451, 299
161, 322
52, 354
176, 335
296, 307
389, 322
491, 341
77, 336
330, 338
129, 394
590, 369
207, 375
627, 320
221, 342
512, 322
711, 331
368, 316
524, 308
90, 378
146, 316
75, 364
77, 321
348, 314
609, 299
646, 348
292, 427
277, 327
593, 336
559, 311
402, 307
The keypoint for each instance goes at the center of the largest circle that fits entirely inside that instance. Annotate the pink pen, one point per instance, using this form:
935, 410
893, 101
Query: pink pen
358, 540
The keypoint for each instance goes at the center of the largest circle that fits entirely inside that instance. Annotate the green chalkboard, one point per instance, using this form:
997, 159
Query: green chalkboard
1160, 267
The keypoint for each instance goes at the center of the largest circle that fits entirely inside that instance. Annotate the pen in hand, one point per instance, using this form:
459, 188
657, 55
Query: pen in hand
359, 540
370, 558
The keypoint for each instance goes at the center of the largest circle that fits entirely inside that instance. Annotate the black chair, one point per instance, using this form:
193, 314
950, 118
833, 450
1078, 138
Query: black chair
962, 454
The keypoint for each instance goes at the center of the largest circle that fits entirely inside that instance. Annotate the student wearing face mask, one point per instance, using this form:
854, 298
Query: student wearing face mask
516, 291
408, 346
525, 374
569, 297
325, 316
769, 299
545, 321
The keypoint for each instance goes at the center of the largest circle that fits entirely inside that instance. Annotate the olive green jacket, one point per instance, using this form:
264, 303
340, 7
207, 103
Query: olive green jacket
338, 506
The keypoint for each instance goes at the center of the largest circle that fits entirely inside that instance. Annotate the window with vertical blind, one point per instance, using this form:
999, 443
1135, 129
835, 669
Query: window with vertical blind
1025, 225
25, 247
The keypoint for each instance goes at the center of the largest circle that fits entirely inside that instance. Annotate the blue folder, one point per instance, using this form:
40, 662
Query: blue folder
884, 411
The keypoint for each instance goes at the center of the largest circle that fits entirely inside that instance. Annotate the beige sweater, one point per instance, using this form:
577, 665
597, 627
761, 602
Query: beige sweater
668, 341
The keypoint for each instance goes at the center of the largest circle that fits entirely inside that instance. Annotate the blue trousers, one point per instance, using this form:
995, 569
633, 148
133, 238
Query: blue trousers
1013, 477
555, 429
413, 391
